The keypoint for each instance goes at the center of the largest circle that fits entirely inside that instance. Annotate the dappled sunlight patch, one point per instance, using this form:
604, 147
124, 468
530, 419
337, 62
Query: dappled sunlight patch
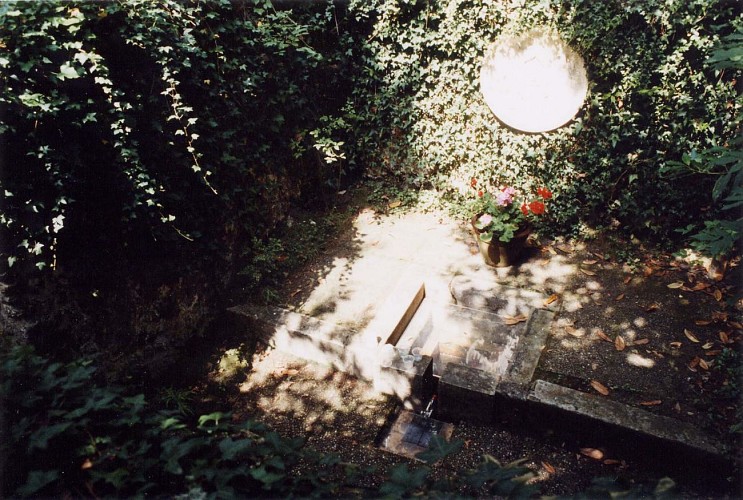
639, 361
554, 272
629, 334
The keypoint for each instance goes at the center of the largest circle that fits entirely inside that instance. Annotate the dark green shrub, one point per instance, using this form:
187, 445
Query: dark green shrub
143, 129
66, 435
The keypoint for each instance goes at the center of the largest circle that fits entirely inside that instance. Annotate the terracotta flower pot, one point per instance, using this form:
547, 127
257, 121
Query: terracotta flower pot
499, 254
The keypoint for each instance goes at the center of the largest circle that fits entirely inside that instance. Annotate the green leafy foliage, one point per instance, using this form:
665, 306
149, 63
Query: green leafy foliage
719, 236
66, 434
184, 124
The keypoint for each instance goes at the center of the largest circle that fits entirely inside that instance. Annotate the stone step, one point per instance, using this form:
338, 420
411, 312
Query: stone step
623, 416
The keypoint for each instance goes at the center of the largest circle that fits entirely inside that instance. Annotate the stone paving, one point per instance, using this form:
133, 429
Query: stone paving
415, 310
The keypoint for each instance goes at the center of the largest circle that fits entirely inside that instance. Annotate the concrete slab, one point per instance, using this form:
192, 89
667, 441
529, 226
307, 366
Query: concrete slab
412, 383
516, 382
467, 393
409, 434
304, 336
624, 416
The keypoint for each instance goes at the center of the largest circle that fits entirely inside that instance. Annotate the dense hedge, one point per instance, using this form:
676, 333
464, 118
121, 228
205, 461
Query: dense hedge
652, 99
176, 122
149, 125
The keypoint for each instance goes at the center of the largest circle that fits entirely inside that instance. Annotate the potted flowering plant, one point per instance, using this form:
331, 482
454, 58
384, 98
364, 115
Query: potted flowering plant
502, 221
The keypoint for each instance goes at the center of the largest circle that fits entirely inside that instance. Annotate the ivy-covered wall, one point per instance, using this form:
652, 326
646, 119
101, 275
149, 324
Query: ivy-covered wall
150, 149
139, 121
652, 98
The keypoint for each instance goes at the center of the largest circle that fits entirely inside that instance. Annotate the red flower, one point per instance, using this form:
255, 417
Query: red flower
473, 182
537, 207
480, 194
544, 193
524, 209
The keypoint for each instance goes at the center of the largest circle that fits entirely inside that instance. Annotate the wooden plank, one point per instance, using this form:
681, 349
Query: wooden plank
393, 317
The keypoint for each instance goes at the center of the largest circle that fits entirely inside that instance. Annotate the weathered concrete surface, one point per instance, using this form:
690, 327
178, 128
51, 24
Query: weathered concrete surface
517, 380
409, 434
466, 393
622, 415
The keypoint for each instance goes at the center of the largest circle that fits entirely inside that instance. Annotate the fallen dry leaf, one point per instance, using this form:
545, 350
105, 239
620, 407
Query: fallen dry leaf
627, 279
599, 255
394, 204
703, 364
612, 461
599, 387
619, 343
592, 453
551, 299
589, 262
654, 402
514, 320
700, 286
587, 272
87, 464
736, 325
619, 297
690, 336
724, 338
548, 467
574, 331
604, 336
717, 294
708, 345
551, 251
677, 407
652, 307
720, 316
693, 364
713, 353
648, 271
703, 322
675, 345
640, 341
675, 285
564, 248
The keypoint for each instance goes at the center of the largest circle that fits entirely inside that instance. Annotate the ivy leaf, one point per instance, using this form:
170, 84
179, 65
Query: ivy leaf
40, 439
37, 479
264, 476
67, 72
231, 448
402, 480
439, 448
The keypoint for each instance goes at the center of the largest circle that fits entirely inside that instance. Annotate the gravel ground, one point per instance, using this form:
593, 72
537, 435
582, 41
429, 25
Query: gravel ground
339, 414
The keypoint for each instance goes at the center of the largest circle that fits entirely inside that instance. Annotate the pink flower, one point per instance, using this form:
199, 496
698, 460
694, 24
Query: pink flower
485, 219
505, 197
